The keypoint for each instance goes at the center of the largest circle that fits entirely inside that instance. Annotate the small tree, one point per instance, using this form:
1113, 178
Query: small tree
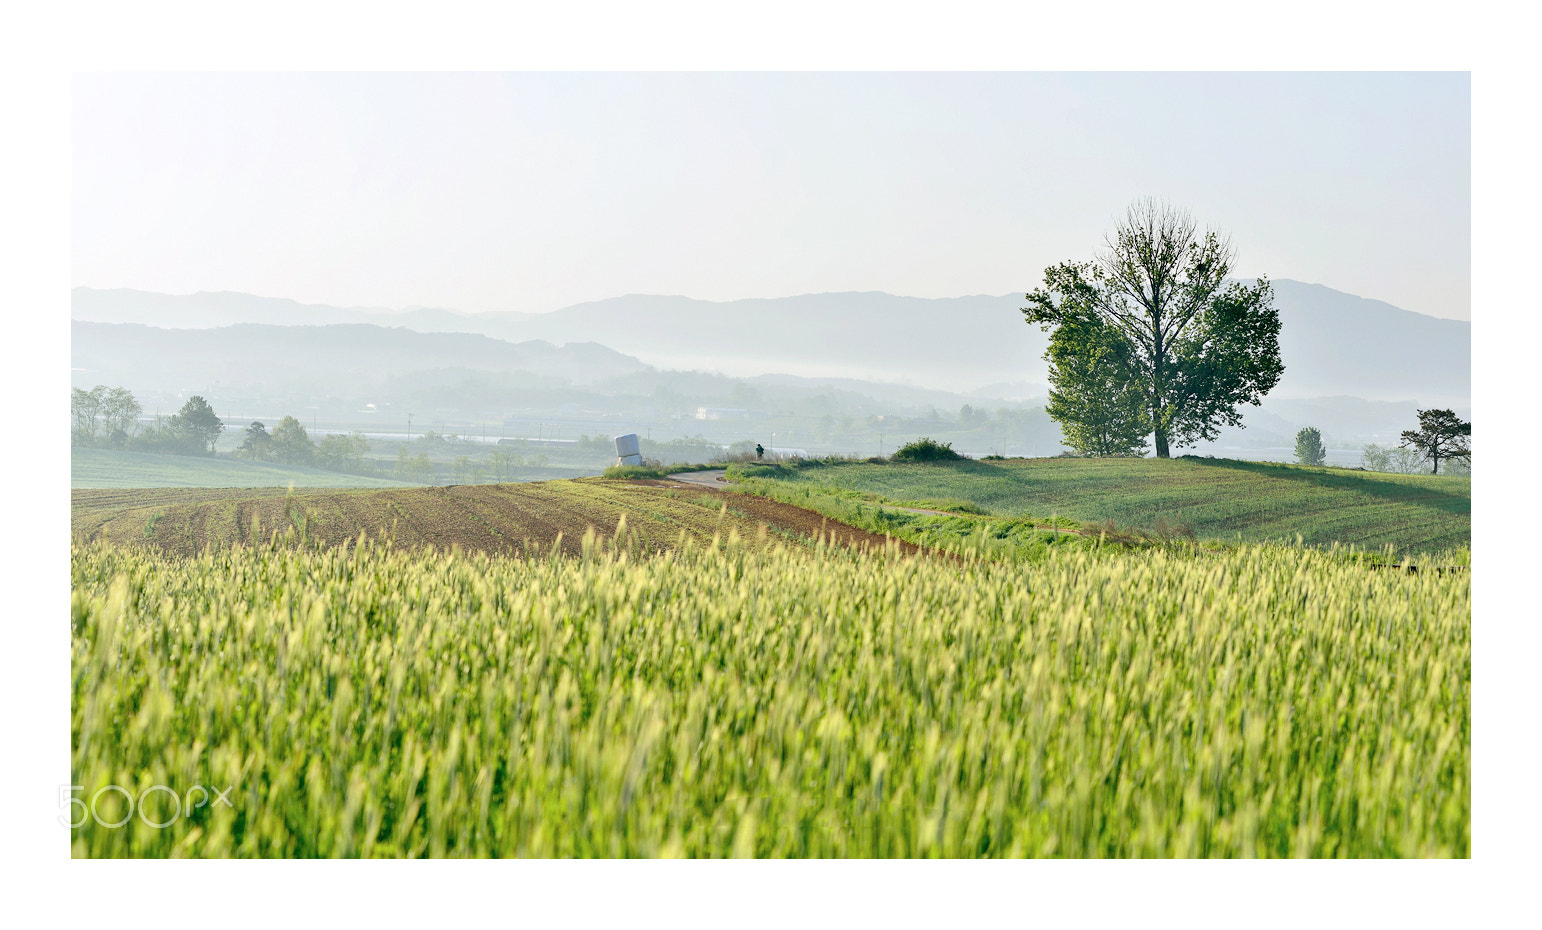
1376, 458
120, 416
926, 450
1441, 435
463, 470
502, 465
197, 424
291, 444
256, 442
343, 453
1309, 447
85, 411
417, 468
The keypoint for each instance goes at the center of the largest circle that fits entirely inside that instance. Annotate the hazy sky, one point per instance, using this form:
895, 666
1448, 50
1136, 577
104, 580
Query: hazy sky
535, 191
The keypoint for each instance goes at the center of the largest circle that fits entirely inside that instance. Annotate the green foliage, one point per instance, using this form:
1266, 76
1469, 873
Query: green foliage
418, 469
343, 453
291, 444
1398, 460
197, 425
1094, 394
1309, 447
784, 703
1198, 347
256, 444
103, 416
634, 471
501, 465
926, 450
164, 439
467, 471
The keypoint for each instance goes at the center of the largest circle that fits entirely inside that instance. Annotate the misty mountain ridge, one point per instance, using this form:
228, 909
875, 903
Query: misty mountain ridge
1332, 343
160, 358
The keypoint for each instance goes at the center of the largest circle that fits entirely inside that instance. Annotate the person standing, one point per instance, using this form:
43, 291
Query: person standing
760, 451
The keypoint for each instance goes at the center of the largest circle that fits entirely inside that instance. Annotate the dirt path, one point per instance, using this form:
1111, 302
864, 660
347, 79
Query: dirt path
713, 478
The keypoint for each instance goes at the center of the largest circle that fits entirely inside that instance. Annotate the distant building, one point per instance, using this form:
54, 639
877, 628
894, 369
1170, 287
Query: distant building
722, 413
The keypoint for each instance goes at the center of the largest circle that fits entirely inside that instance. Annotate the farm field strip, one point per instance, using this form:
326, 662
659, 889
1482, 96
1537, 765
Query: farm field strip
108, 468
507, 519
1220, 499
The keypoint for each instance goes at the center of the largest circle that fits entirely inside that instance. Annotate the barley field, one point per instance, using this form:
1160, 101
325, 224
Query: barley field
780, 701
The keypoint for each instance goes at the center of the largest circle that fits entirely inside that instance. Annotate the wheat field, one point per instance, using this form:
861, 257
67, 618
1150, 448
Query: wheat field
731, 700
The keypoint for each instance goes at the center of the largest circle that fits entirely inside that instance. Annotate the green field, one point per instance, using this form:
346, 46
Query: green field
784, 701
106, 468
1220, 499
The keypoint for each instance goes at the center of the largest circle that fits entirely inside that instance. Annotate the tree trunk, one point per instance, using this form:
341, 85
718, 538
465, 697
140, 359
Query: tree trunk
1158, 392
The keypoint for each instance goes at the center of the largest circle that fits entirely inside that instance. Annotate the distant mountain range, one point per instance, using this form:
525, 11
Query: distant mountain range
350, 354
1332, 343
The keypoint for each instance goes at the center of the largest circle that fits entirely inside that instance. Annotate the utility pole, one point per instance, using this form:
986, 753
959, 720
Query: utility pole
409, 427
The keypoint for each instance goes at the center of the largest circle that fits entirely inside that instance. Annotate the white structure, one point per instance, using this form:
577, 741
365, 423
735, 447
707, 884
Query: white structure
628, 451
722, 413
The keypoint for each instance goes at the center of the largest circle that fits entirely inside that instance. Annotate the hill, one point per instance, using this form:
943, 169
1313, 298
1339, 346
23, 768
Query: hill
1219, 499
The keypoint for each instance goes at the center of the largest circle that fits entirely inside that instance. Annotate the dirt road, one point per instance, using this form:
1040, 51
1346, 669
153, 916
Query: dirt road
711, 479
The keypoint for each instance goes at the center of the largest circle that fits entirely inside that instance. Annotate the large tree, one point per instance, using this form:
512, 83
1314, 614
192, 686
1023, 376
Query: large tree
1441, 435
1195, 346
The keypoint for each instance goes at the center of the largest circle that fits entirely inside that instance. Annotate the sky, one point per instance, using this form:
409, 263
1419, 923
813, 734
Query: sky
534, 191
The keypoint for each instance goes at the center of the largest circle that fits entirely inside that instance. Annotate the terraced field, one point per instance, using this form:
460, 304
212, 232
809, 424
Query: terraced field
497, 519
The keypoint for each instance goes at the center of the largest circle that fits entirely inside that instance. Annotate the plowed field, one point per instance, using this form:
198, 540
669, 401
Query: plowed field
498, 519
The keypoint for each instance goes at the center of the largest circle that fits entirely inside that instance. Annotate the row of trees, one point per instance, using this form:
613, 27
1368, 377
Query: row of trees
109, 417
103, 416
1441, 436
290, 444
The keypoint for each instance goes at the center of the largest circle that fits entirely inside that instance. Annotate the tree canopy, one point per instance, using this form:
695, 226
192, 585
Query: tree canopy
291, 444
256, 442
1173, 331
1441, 435
197, 423
1095, 397
103, 416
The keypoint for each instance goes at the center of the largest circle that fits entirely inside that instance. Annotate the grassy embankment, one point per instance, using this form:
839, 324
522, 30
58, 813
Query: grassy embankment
107, 468
1216, 500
